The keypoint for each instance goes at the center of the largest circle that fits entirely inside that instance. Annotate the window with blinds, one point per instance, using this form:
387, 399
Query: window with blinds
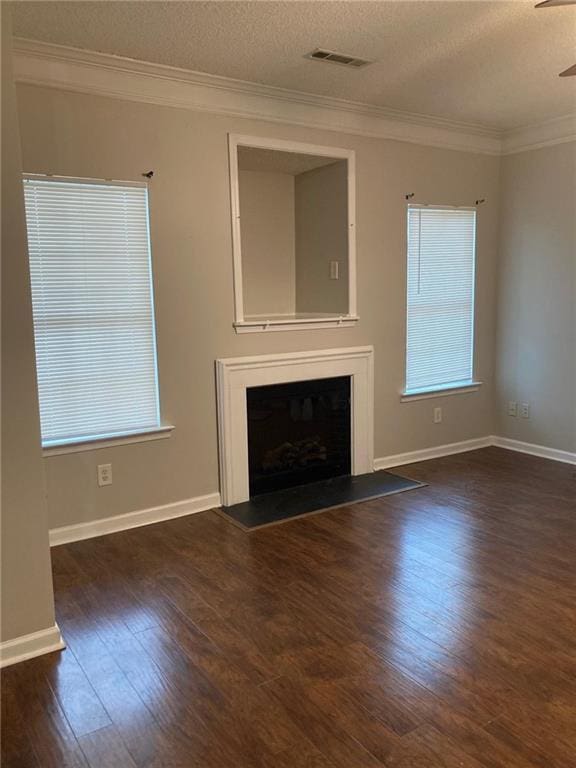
92, 300
440, 301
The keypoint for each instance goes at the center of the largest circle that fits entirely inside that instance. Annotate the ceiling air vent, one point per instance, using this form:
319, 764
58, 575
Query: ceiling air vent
321, 54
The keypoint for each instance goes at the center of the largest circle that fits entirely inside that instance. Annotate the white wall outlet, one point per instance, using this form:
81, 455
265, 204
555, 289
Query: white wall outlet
104, 474
334, 270
525, 410
437, 415
512, 408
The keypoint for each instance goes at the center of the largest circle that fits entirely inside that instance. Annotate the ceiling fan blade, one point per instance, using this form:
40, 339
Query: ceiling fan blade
570, 72
552, 3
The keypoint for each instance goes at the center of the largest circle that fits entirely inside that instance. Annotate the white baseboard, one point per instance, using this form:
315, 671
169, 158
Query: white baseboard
28, 646
142, 517
534, 450
432, 453
471, 445
136, 519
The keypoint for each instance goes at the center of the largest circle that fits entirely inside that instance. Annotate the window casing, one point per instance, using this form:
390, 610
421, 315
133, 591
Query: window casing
93, 307
440, 299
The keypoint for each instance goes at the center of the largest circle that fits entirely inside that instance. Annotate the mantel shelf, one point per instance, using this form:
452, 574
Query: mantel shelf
294, 322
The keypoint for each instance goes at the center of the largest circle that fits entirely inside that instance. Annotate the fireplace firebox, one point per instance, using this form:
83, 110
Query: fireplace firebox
298, 433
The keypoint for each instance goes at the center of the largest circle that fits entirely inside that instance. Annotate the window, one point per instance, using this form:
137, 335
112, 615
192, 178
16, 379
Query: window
93, 308
440, 322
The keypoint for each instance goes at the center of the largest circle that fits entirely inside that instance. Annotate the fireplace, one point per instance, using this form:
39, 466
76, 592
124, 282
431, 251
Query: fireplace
238, 381
298, 433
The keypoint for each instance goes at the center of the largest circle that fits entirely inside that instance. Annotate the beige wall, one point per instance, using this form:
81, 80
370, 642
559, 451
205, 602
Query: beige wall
81, 135
536, 358
27, 601
322, 237
267, 215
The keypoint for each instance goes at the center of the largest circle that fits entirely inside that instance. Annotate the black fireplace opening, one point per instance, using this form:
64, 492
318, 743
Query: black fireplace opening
298, 433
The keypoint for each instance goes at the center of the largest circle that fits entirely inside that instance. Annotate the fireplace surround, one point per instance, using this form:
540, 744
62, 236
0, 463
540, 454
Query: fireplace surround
234, 376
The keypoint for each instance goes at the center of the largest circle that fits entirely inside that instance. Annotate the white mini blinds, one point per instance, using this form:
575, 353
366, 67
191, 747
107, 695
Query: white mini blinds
440, 322
93, 308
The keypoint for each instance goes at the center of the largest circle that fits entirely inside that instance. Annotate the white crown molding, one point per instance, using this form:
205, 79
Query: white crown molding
29, 646
101, 74
557, 131
140, 517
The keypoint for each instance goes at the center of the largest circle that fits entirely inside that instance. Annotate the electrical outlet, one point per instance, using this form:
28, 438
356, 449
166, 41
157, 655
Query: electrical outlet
437, 415
512, 408
525, 410
104, 474
334, 270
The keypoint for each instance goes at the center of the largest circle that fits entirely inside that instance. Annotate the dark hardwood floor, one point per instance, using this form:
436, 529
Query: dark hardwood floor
431, 629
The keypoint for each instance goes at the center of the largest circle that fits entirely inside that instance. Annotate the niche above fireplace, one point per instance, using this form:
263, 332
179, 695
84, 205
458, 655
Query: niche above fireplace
293, 235
235, 376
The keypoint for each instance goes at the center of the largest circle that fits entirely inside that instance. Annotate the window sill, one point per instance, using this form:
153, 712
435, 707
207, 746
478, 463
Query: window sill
295, 322
425, 394
158, 433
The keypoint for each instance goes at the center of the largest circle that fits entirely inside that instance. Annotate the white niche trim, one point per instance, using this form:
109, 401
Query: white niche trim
235, 375
290, 322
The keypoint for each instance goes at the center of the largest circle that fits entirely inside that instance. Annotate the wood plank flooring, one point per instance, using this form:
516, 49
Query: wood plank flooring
431, 629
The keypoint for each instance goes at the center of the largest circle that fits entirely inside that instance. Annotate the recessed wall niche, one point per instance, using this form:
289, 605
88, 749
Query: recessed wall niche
293, 224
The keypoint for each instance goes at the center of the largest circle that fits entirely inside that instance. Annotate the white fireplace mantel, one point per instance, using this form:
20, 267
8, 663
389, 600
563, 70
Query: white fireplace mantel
235, 375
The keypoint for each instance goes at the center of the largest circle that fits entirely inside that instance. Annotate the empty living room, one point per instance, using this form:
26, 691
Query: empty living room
288, 384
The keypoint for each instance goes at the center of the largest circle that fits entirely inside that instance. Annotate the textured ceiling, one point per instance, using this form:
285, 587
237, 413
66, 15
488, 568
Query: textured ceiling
491, 63
275, 161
